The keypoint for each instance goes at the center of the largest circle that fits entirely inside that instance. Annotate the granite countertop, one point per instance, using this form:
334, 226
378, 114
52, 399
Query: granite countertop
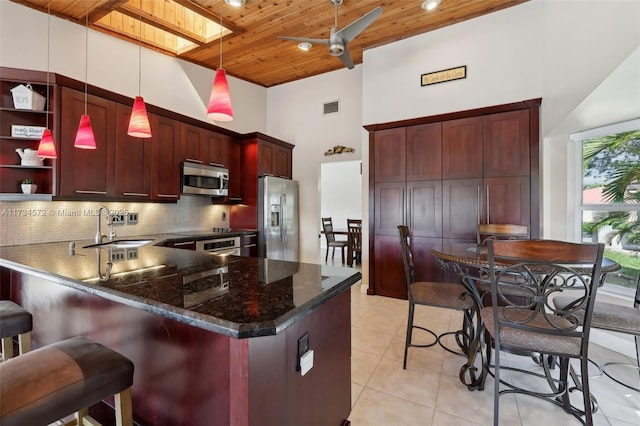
235, 296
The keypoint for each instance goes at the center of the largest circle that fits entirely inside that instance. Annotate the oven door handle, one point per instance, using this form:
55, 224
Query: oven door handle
226, 252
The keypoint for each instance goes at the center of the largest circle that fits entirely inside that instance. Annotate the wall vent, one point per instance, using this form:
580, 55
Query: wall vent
330, 107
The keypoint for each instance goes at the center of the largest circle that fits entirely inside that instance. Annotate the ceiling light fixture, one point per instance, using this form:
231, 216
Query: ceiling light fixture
430, 4
47, 147
84, 137
304, 46
235, 3
139, 122
220, 108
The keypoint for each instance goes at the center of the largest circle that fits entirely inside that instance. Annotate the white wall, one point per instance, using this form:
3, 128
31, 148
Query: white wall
167, 82
295, 115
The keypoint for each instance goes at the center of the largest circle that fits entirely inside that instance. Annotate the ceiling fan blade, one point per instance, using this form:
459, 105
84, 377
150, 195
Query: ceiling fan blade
350, 32
346, 58
309, 40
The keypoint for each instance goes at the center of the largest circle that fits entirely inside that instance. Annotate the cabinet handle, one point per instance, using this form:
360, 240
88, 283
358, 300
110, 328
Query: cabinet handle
410, 210
135, 194
167, 195
478, 200
235, 198
488, 221
78, 191
194, 160
249, 245
404, 208
184, 244
216, 164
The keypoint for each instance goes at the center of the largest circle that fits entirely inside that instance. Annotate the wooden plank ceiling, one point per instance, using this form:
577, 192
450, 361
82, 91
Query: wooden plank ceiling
251, 50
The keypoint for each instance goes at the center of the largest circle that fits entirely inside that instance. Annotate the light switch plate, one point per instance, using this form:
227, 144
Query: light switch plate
306, 362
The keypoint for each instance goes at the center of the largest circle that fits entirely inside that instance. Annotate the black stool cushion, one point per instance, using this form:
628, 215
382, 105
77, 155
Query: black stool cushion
14, 319
57, 380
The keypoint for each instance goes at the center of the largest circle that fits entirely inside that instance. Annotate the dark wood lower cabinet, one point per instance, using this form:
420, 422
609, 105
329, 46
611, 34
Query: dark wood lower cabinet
185, 375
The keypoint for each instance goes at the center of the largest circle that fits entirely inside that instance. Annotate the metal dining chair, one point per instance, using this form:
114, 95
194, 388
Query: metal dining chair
332, 243
541, 268
437, 294
616, 318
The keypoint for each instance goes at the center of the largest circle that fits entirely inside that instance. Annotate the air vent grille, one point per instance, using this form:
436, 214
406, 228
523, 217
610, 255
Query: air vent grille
330, 107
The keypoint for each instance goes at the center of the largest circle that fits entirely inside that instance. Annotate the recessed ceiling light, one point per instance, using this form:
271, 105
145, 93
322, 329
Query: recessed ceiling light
304, 46
430, 4
235, 3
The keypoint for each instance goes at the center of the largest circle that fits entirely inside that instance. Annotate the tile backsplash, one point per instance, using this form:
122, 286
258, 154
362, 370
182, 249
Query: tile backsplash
30, 222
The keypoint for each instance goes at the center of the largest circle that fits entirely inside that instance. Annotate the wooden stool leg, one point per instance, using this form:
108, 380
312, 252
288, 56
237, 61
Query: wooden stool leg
7, 348
124, 410
24, 342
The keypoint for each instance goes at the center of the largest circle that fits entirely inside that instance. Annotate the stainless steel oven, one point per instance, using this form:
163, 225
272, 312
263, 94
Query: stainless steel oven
221, 246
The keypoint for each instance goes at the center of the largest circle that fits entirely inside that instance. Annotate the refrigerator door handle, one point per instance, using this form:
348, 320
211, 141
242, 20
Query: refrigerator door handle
283, 222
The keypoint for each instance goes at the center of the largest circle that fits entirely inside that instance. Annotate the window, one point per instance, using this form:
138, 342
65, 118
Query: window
610, 205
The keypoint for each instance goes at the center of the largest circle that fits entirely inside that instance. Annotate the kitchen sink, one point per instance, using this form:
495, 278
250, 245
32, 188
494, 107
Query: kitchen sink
120, 244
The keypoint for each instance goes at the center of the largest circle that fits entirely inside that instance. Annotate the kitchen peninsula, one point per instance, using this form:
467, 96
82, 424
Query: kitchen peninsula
214, 339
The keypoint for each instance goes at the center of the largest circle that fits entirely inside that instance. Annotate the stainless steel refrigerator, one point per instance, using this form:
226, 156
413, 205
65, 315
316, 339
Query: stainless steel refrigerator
277, 218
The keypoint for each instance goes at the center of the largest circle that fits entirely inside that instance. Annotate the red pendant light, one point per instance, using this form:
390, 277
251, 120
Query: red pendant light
220, 108
84, 136
139, 122
46, 148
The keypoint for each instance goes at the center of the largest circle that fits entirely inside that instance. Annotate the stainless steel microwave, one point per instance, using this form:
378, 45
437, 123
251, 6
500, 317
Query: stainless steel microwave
202, 179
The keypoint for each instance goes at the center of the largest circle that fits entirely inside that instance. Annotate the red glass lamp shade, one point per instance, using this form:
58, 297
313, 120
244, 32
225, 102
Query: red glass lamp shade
139, 123
46, 148
84, 137
220, 101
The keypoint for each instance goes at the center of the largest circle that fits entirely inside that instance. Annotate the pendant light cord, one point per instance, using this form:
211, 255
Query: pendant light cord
48, 53
86, 54
140, 53
220, 35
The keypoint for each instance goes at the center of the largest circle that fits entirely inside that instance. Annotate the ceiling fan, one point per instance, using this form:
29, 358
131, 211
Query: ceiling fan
338, 39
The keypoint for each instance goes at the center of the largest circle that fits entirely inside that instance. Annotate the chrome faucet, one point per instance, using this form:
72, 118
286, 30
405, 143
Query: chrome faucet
99, 235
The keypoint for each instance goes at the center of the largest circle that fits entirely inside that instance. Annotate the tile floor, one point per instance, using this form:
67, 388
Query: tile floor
429, 392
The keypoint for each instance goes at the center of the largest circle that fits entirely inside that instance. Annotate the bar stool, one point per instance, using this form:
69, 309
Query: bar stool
14, 321
63, 378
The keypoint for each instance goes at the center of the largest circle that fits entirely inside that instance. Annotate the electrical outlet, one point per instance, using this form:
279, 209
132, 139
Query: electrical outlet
117, 255
132, 254
224, 216
303, 347
118, 219
132, 218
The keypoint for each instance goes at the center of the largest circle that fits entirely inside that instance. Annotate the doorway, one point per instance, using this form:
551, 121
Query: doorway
340, 197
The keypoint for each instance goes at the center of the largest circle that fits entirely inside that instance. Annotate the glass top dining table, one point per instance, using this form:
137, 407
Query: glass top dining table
470, 262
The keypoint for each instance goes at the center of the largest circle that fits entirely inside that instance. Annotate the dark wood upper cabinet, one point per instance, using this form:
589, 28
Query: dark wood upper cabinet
274, 160
218, 147
462, 148
194, 148
133, 160
87, 173
507, 200
166, 158
506, 144
390, 163
424, 152
424, 208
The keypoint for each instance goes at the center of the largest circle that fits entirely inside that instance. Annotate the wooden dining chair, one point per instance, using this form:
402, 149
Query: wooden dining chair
332, 243
501, 231
354, 227
542, 268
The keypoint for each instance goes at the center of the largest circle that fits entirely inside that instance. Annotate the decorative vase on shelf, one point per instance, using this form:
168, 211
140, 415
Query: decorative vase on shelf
28, 186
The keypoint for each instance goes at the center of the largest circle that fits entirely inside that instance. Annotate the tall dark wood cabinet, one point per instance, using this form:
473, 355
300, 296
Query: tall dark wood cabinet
133, 160
443, 175
166, 157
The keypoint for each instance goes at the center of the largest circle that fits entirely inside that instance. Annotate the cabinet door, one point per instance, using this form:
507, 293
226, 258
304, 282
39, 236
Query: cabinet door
282, 162
507, 200
506, 144
165, 164
266, 158
87, 172
390, 155
388, 268
461, 208
426, 264
133, 159
424, 152
193, 145
218, 149
425, 208
389, 207
462, 148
